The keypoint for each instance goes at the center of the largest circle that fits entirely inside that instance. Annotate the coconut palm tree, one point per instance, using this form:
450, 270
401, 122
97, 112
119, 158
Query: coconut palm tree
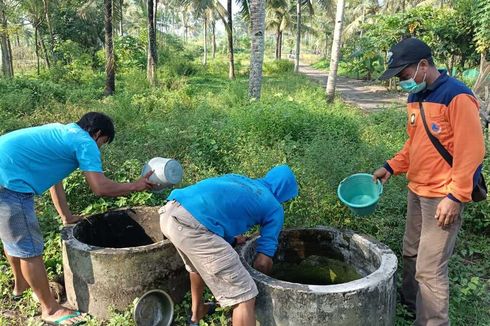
166, 16
278, 19
50, 28
110, 69
257, 20
121, 18
86, 12
226, 17
151, 66
204, 9
334, 61
322, 27
213, 34
7, 64
210, 15
210, 8
299, 5
150, 8
205, 17
36, 16
359, 14
229, 32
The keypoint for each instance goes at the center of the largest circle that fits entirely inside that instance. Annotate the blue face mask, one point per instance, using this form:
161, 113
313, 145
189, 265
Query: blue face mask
411, 86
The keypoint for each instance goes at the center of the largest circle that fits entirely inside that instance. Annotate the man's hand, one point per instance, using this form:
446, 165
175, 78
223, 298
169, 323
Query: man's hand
72, 219
381, 174
263, 263
144, 183
103, 186
240, 239
447, 212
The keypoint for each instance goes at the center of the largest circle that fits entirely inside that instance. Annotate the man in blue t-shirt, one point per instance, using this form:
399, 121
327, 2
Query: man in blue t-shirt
33, 160
204, 220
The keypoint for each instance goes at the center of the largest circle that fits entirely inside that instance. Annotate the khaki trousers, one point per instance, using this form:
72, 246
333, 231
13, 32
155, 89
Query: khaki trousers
207, 254
426, 251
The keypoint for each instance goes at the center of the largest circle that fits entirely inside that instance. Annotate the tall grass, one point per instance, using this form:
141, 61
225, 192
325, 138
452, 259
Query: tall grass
206, 122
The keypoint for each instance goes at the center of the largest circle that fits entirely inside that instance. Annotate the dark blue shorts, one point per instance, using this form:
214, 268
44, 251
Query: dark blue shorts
19, 228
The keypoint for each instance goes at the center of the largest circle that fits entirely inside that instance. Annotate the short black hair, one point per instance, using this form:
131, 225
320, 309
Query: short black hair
94, 122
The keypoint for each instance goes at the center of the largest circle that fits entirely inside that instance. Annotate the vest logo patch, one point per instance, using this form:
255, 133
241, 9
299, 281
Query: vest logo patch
412, 118
436, 128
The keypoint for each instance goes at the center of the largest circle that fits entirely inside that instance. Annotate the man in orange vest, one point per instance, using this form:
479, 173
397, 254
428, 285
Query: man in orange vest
443, 111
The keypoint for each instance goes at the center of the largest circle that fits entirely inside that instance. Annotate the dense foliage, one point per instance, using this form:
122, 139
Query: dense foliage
207, 123
457, 34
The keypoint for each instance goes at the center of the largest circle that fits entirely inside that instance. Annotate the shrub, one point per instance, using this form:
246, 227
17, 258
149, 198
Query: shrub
278, 66
130, 52
20, 96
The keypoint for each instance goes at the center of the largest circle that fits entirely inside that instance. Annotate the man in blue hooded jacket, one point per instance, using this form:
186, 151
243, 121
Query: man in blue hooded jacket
205, 220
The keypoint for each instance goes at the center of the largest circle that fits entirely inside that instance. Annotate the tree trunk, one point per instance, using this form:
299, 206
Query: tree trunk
278, 43
36, 41
482, 83
231, 57
463, 63
50, 30
151, 67
213, 28
205, 44
46, 54
298, 35
326, 45
7, 64
110, 82
257, 20
482, 90
449, 65
121, 5
334, 60
155, 16
186, 25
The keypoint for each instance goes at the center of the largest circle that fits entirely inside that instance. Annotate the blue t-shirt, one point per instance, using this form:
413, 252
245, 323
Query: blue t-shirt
34, 159
231, 204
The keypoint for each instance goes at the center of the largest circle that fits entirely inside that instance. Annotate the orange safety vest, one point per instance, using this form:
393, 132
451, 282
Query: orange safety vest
452, 115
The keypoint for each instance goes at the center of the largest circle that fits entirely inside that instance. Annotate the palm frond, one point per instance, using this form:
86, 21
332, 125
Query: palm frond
87, 9
431, 3
245, 10
355, 26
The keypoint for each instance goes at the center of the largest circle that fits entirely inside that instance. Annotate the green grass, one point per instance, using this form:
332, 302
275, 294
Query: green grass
343, 70
206, 122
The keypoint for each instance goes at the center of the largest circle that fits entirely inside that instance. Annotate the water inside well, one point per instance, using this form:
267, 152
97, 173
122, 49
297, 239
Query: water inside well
315, 270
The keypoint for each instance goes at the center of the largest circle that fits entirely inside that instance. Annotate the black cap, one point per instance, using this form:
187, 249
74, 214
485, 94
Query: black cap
401, 55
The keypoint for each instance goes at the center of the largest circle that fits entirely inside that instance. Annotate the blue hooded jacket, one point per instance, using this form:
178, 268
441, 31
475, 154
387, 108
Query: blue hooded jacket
230, 205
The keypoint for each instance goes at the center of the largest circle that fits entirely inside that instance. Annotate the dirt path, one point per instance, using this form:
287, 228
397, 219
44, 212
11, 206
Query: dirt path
366, 95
